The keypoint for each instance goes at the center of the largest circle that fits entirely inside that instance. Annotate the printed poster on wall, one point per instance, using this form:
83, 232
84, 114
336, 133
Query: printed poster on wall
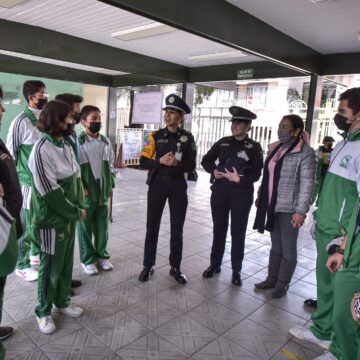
131, 139
147, 108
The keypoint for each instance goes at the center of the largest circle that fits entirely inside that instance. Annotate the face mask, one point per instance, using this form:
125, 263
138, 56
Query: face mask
340, 122
41, 103
284, 136
69, 130
95, 127
77, 118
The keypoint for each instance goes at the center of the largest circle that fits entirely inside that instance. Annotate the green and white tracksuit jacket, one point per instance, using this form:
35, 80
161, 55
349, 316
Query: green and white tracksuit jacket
57, 202
96, 162
336, 216
22, 136
339, 198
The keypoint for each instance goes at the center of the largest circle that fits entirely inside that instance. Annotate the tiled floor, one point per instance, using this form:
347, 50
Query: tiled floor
203, 320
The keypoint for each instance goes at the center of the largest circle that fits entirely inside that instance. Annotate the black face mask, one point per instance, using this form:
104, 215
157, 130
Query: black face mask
340, 122
41, 103
95, 127
76, 118
70, 128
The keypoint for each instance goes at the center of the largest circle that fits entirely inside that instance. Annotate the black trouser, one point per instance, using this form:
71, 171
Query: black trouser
227, 198
161, 189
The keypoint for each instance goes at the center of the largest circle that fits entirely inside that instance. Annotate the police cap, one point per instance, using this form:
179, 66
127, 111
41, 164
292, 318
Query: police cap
328, 139
175, 102
242, 115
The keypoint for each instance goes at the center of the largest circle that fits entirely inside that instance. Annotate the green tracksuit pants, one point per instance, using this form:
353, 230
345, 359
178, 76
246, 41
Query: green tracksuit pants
28, 242
322, 317
97, 224
346, 332
57, 257
2, 287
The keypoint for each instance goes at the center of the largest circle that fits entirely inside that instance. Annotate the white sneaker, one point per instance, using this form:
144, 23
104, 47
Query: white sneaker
28, 274
46, 324
35, 260
105, 264
71, 311
327, 355
304, 333
90, 269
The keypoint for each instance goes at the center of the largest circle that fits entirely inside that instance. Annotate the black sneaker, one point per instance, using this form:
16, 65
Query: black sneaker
210, 272
75, 283
311, 303
178, 275
146, 273
236, 279
72, 292
5, 332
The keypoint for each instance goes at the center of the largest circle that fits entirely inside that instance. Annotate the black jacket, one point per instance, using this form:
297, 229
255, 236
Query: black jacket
10, 183
245, 155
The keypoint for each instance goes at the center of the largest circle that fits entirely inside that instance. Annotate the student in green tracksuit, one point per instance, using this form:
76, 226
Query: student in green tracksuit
335, 217
96, 162
21, 138
57, 201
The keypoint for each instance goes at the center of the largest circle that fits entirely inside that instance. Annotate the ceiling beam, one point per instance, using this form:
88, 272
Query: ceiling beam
139, 80
33, 40
15, 65
224, 23
340, 64
261, 70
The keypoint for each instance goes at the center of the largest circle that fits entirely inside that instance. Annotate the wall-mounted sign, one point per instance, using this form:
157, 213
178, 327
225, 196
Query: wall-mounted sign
245, 74
147, 108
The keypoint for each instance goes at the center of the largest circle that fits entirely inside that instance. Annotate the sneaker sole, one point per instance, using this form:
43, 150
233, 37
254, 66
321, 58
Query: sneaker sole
324, 344
72, 315
24, 278
47, 331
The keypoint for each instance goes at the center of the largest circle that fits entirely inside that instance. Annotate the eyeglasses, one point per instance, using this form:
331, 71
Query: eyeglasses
41, 95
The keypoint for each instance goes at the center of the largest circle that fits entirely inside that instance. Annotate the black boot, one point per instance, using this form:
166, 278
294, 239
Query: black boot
211, 271
286, 272
236, 278
146, 273
273, 270
75, 283
178, 275
5, 332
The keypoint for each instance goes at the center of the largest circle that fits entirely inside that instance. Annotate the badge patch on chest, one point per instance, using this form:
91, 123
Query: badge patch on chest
184, 138
242, 155
162, 141
345, 161
248, 145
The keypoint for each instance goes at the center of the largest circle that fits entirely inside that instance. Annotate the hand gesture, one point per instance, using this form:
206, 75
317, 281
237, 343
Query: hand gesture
297, 221
334, 262
218, 174
2, 193
168, 159
232, 176
86, 192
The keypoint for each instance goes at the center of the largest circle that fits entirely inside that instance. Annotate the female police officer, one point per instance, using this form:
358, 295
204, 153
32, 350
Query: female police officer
169, 153
240, 162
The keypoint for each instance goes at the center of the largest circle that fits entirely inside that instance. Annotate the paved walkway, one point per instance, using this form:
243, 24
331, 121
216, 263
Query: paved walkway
203, 320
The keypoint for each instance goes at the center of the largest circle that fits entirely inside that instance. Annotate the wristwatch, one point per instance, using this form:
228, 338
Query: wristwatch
339, 250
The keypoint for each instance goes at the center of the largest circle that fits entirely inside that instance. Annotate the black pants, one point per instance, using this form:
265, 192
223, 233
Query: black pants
161, 189
227, 198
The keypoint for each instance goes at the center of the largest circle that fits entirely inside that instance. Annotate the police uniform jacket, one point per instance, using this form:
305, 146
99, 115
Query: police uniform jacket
245, 155
161, 142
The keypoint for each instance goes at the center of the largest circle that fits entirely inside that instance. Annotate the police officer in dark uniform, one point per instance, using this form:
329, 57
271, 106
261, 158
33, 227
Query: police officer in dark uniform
235, 163
169, 153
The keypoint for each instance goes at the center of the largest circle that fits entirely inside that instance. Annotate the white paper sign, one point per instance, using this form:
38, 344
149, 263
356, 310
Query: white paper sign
147, 108
131, 140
